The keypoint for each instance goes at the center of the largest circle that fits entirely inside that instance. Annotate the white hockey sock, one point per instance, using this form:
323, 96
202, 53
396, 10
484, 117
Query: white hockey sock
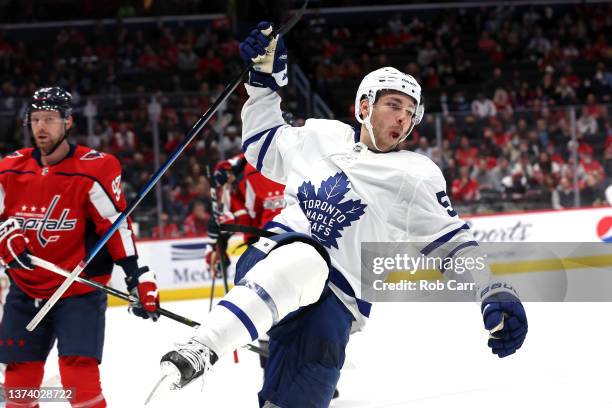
291, 276
235, 321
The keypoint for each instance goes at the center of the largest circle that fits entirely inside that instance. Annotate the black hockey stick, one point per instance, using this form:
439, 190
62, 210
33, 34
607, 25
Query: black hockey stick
122, 218
220, 245
111, 291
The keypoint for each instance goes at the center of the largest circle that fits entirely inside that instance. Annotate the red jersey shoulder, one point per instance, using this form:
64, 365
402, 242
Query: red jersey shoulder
103, 167
95, 163
21, 158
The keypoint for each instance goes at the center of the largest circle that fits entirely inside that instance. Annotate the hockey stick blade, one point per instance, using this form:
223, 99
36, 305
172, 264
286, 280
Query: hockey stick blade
44, 310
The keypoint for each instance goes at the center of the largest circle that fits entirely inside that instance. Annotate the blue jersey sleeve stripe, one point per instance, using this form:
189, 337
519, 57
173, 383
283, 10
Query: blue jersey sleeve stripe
246, 321
443, 239
457, 249
265, 147
256, 138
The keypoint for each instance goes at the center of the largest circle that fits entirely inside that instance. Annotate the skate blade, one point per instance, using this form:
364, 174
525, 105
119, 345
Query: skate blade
163, 382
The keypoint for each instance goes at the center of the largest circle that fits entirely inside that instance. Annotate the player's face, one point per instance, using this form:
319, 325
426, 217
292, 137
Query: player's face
48, 128
391, 119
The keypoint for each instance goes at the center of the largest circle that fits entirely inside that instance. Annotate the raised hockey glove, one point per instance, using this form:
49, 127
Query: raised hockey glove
15, 248
269, 56
143, 288
505, 319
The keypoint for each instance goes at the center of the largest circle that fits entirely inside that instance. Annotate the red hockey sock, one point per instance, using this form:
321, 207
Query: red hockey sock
20, 376
83, 376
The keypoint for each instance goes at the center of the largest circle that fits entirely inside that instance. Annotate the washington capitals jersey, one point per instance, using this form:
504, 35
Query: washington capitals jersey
264, 198
342, 194
256, 200
63, 210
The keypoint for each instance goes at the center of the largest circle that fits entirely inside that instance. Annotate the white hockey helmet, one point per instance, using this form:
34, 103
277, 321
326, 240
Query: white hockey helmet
391, 79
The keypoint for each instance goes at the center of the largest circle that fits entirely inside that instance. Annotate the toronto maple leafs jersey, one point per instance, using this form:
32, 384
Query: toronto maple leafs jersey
342, 194
63, 210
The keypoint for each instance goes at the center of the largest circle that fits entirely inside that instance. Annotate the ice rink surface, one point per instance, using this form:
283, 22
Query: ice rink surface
419, 355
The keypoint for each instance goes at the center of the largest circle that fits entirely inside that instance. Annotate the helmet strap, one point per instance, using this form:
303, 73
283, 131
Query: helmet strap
368, 123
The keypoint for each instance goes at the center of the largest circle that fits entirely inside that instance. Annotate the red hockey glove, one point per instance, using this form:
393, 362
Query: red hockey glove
15, 248
144, 289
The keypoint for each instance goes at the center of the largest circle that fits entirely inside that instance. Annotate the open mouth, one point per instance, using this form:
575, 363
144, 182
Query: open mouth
395, 134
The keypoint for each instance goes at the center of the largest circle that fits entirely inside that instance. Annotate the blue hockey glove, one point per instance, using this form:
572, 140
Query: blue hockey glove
505, 319
269, 56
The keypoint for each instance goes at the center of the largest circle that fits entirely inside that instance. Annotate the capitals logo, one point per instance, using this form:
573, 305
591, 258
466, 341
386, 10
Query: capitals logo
604, 229
43, 223
327, 213
92, 155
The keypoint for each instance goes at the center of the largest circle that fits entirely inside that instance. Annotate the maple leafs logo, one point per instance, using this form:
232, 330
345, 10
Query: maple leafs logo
327, 213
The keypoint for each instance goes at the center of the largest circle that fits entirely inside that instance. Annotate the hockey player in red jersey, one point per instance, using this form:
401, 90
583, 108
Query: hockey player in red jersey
247, 198
56, 200
254, 201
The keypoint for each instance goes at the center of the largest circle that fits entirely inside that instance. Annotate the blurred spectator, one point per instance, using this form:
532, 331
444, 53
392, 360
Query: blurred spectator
465, 188
524, 167
123, 143
187, 59
168, 229
608, 156
486, 43
501, 174
483, 107
196, 223
563, 196
603, 77
591, 193
586, 124
231, 142
538, 45
564, 92
502, 102
424, 147
460, 104
590, 167
427, 54
466, 154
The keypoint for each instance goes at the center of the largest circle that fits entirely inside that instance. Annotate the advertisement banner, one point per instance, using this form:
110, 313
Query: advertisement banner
581, 225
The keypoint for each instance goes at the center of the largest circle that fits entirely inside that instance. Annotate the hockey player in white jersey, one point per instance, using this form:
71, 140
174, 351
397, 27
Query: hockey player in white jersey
344, 186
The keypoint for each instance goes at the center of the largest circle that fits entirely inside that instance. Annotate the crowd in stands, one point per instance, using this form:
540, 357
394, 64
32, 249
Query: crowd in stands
502, 79
20, 11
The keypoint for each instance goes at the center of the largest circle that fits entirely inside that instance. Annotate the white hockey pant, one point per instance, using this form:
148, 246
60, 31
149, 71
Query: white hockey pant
290, 277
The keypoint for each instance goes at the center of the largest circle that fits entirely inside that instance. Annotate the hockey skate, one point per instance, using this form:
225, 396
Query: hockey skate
182, 366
